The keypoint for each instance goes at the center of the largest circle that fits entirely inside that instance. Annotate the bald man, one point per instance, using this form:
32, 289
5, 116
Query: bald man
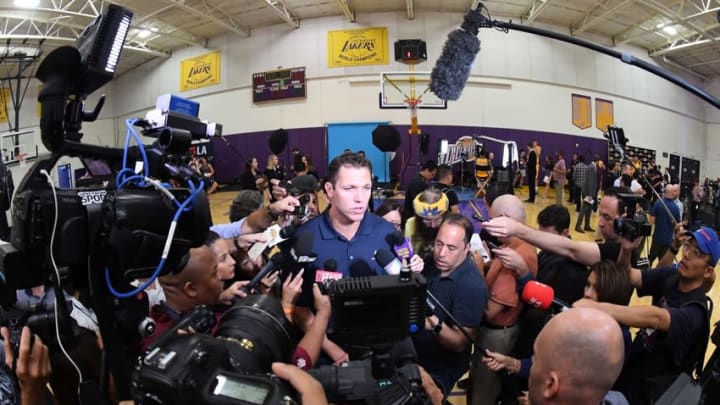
514, 263
578, 356
195, 283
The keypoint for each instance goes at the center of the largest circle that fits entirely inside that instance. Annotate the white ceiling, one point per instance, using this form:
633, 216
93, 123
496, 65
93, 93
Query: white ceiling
172, 24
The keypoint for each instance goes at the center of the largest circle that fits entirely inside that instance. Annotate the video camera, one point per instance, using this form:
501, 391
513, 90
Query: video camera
632, 224
102, 237
233, 366
377, 312
230, 368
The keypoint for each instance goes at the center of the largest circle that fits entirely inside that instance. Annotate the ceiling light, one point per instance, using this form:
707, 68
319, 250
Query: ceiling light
144, 33
670, 30
27, 3
154, 29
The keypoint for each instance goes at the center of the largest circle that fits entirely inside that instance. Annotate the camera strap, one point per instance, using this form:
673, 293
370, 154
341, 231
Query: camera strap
169, 312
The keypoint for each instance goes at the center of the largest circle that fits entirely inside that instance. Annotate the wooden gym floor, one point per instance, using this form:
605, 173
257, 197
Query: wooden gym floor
220, 205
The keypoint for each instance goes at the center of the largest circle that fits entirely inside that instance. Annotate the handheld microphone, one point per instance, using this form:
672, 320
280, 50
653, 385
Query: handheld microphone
401, 245
328, 272
306, 183
275, 261
388, 262
542, 296
301, 252
274, 235
452, 68
361, 268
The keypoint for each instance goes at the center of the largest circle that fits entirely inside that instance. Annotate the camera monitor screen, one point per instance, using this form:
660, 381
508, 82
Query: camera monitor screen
97, 167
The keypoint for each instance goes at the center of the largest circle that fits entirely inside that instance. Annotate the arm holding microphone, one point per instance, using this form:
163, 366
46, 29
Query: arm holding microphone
638, 316
587, 253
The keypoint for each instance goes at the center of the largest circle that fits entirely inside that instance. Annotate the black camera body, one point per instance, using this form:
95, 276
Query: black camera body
632, 225
230, 368
201, 369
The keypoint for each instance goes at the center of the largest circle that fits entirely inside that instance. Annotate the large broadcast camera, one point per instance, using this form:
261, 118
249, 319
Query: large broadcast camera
233, 367
633, 224
129, 223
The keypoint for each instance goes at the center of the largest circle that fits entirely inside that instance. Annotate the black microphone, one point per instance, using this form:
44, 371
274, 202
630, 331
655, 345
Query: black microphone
360, 268
275, 261
328, 272
306, 183
388, 262
452, 68
301, 252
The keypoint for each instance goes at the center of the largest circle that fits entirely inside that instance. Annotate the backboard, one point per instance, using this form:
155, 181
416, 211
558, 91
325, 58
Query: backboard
395, 87
18, 146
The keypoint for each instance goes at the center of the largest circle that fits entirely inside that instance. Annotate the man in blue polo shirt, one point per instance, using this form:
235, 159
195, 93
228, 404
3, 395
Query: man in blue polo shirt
347, 233
454, 280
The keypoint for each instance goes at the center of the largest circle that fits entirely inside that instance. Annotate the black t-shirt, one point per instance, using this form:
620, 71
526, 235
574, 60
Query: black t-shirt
247, 181
610, 250
416, 186
452, 196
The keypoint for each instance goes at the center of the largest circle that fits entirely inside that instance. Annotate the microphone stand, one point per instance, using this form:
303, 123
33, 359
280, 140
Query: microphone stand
436, 304
667, 209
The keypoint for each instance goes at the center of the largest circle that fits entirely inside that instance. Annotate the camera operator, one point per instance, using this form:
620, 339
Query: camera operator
194, 282
32, 367
674, 330
587, 253
453, 278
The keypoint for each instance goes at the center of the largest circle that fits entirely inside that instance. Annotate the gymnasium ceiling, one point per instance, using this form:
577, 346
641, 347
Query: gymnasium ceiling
681, 33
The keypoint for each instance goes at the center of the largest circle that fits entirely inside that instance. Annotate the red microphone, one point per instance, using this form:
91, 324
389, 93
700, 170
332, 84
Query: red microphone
542, 296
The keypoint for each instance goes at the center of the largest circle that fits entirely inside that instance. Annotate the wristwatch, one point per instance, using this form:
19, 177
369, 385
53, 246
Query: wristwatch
437, 328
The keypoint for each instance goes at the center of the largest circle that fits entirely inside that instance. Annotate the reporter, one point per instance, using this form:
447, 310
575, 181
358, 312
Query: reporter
32, 366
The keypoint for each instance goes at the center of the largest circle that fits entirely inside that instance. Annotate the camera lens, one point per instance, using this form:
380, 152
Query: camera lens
260, 331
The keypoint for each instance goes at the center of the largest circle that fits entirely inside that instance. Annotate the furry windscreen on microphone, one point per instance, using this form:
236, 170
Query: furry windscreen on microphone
452, 69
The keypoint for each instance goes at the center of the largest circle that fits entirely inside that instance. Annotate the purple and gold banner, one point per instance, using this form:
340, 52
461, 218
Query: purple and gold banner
604, 114
367, 46
581, 111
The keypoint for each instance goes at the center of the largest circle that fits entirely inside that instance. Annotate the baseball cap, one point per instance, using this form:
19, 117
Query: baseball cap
707, 241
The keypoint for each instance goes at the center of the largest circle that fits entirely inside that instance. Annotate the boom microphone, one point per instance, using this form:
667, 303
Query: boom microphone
542, 296
306, 183
452, 68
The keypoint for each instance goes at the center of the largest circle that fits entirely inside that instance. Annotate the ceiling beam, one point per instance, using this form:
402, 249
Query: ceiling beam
587, 22
410, 7
537, 7
280, 8
681, 47
229, 25
678, 19
347, 9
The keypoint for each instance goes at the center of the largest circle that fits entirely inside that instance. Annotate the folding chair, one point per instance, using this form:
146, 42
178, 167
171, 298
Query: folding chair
483, 173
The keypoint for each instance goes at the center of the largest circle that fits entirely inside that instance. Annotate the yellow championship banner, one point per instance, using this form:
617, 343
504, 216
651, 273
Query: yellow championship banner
604, 114
581, 111
200, 71
367, 46
5, 103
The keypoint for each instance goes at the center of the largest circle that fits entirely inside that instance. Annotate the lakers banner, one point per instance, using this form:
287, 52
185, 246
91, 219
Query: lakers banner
604, 114
5, 104
581, 111
368, 46
201, 71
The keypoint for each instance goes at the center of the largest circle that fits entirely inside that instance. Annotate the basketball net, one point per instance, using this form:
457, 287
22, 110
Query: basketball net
21, 158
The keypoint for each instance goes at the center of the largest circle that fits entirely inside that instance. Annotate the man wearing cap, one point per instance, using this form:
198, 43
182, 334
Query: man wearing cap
673, 332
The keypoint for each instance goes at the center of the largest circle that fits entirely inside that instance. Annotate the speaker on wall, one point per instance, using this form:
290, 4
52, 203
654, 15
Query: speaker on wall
424, 143
410, 51
278, 141
386, 138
